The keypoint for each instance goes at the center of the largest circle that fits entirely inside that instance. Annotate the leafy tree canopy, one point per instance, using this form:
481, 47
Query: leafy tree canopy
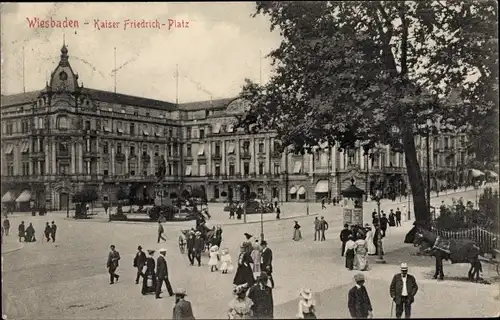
372, 72
85, 196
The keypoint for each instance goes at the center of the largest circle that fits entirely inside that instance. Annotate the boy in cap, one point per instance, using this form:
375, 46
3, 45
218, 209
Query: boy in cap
403, 290
358, 300
182, 308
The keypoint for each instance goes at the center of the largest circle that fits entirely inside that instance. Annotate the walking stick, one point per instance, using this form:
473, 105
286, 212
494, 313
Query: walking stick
392, 307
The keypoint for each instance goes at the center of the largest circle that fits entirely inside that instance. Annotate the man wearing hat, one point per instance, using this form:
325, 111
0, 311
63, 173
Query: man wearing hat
139, 262
266, 261
112, 264
358, 300
162, 274
198, 247
262, 298
403, 290
190, 246
182, 308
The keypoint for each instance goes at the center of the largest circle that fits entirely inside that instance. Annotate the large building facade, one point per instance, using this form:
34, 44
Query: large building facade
63, 138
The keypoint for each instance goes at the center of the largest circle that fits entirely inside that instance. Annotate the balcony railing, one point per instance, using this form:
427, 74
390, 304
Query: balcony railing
120, 157
245, 155
216, 156
145, 157
276, 154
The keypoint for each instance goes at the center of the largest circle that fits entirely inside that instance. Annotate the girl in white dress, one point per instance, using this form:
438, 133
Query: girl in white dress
307, 306
214, 258
226, 261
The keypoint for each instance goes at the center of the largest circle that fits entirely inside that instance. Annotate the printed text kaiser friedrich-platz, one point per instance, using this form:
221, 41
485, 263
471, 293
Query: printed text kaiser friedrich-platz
106, 24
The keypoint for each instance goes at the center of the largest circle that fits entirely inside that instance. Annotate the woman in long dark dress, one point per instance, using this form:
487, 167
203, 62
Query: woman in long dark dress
244, 273
149, 274
297, 235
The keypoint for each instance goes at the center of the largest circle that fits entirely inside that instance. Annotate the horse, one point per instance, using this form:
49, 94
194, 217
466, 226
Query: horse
454, 250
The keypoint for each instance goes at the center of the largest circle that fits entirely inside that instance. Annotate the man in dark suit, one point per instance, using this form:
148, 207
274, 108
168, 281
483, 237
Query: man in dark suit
190, 247
267, 261
198, 247
162, 274
358, 300
139, 262
112, 264
398, 217
182, 308
344, 237
403, 290
323, 226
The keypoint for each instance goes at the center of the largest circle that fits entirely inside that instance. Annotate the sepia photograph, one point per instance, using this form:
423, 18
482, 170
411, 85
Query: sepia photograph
250, 160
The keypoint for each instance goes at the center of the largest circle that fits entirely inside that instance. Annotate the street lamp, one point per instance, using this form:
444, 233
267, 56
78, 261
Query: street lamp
400, 189
307, 203
376, 197
427, 150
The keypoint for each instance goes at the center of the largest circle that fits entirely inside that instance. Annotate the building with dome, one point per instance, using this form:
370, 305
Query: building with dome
65, 137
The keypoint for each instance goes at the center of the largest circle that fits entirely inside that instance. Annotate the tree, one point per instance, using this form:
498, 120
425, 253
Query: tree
364, 73
87, 195
122, 194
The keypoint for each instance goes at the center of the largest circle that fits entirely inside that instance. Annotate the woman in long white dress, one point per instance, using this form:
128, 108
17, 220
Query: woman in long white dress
361, 255
369, 241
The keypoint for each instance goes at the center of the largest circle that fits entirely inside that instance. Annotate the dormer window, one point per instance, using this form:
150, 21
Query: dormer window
63, 123
63, 76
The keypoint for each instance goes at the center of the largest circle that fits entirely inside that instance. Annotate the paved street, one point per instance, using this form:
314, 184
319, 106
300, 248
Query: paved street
68, 279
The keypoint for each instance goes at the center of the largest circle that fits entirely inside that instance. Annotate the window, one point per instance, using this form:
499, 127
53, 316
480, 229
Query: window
147, 114
231, 169
276, 168
217, 149
105, 147
40, 123
216, 192
132, 129
202, 170
132, 150
26, 169
176, 149
207, 113
170, 132
87, 124
144, 149
276, 146
246, 147
156, 130
170, 150
202, 133
188, 133
42, 168
261, 147
9, 128
261, 167
63, 149
217, 170
10, 169
63, 123
118, 148
260, 191
105, 172
246, 168
188, 150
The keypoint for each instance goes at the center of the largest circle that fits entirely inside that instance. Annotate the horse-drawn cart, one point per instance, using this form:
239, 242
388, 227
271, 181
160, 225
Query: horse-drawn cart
493, 260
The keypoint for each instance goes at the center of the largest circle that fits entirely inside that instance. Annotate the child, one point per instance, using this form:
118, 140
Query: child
227, 263
214, 258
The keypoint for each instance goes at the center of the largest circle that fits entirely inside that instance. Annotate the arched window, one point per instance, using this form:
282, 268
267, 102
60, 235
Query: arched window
40, 123
63, 123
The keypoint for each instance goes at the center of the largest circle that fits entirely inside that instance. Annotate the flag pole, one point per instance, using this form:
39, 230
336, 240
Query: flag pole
115, 67
24, 81
177, 85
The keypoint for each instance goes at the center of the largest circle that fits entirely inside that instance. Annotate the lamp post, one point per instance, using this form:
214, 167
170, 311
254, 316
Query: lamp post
262, 222
67, 206
307, 203
400, 189
244, 204
427, 150
376, 197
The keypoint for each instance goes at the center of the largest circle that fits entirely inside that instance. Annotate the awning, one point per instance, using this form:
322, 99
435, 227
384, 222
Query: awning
8, 197
476, 173
293, 190
26, 147
24, 197
297, 166
188, 170
301, 191
321, 186
230, 128
217, 128
230, 148
107, 129
119, 130
9, 149
492, 174
201, 150
157, 134
144, 132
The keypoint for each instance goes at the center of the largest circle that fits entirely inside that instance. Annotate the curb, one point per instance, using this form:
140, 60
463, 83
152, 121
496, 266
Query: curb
19, 247
222, 224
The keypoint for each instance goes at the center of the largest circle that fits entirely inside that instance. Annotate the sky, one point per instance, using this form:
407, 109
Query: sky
221, 46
